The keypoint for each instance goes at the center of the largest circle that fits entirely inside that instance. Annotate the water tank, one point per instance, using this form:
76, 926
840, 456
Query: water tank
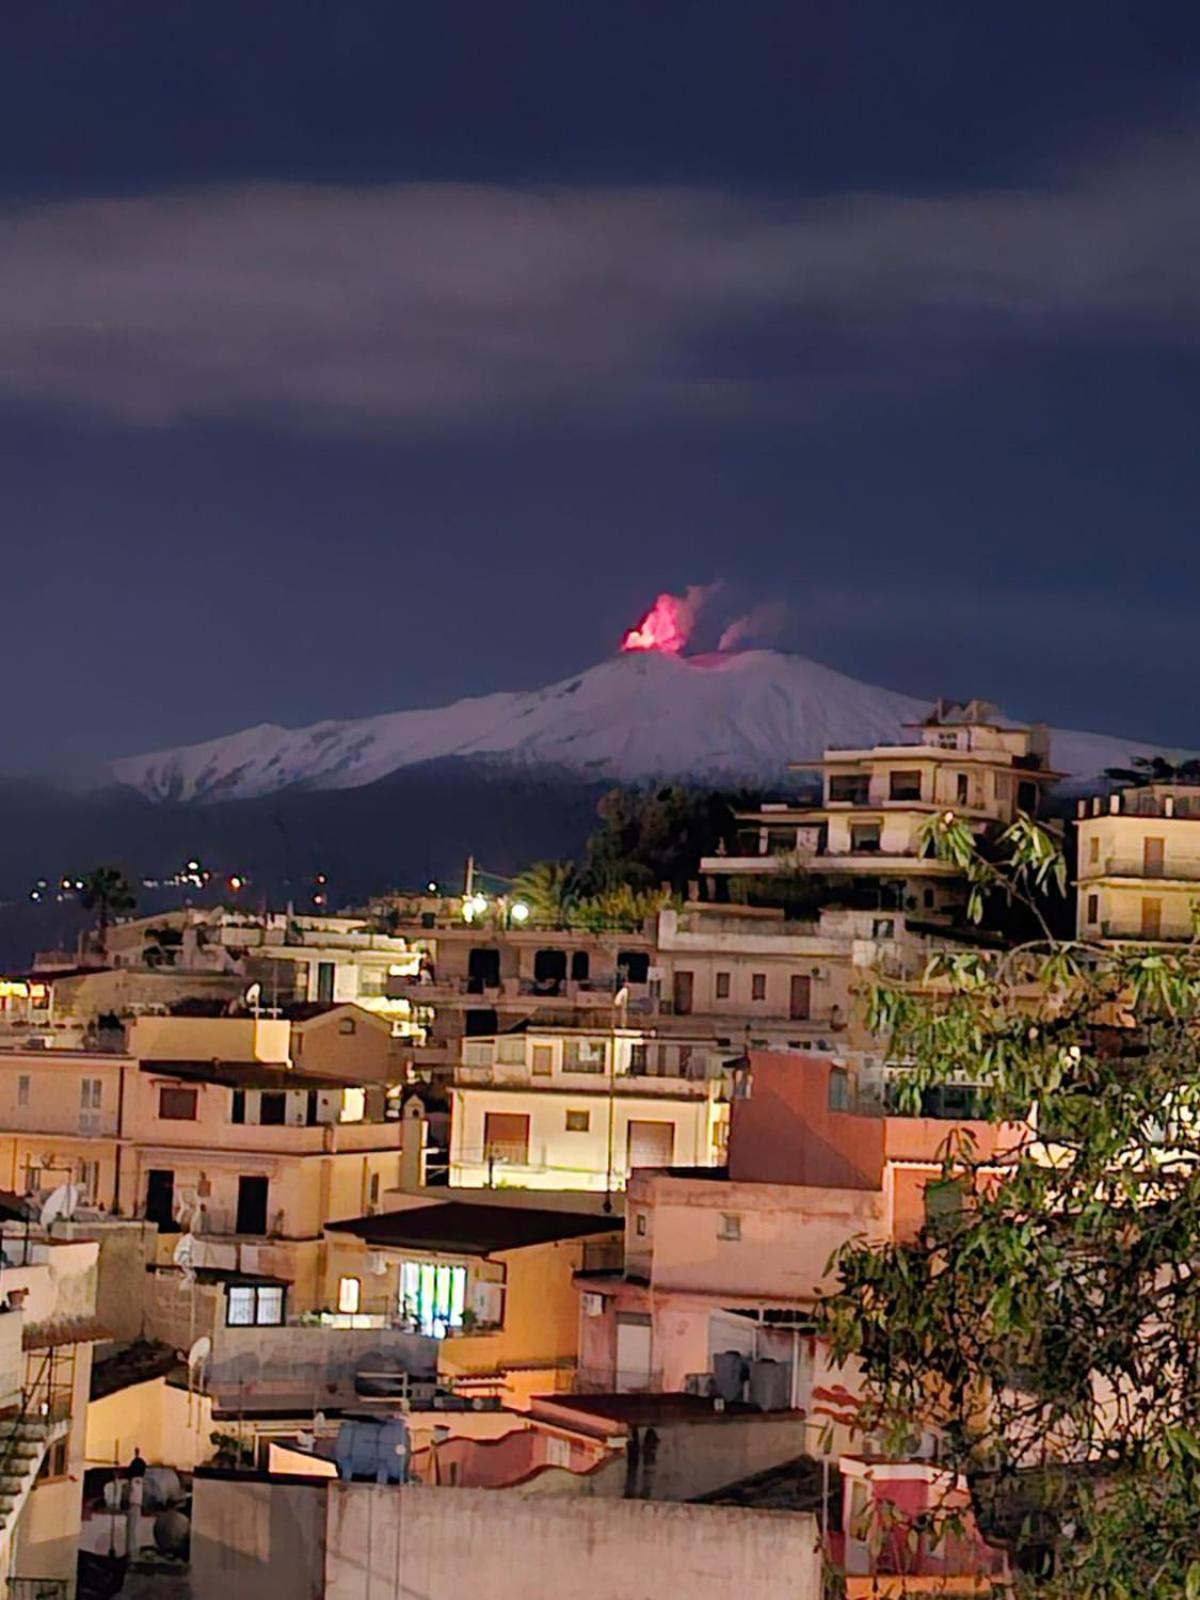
375, 1451
729, 1374
770, 1384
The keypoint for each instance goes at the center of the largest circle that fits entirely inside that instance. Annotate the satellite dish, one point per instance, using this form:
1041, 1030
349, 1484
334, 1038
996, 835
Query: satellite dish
184, 1253
199, 1353
60, 1202
252, 996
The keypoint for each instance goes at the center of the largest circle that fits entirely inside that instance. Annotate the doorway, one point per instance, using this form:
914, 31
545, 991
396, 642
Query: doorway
160, 1199
800, 1009
252, 1205
685, 986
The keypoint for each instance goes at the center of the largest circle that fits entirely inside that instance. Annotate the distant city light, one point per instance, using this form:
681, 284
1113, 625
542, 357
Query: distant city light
236, 882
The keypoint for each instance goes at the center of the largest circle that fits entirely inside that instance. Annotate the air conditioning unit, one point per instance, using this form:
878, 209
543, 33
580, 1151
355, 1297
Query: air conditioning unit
593, 1305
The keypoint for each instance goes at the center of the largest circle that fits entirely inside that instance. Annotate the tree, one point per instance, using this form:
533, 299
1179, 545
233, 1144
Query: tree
1047, 1324
107, 892
648, 837
551, 891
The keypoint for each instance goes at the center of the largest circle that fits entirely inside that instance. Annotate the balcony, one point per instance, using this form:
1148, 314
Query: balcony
1180, 869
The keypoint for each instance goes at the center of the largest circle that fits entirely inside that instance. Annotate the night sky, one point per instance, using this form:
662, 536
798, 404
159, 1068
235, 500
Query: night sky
357, 356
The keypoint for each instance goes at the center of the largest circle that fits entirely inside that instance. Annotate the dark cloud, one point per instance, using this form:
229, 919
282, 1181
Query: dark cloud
417, 306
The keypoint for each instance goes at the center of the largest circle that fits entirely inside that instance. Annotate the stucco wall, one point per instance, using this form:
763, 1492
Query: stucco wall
261, 1541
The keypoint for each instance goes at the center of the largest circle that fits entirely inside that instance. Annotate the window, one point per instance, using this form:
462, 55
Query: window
583, 1055
962, 788
1093, 908
177, 1105
349, 1295
23, 1089
947, 741
729, 1226
90, 1092
258, 1305
373, 1190
839, 1089
54, 1462
272, 1108
883, 928
237, 1107
578, 1121
639, 1224
89, 1178
634, 965
865, 836
347, 1025
904, 786
722, 986
927, 899
1093, 849
849, 788
943, 1203
758, 986
432, 1298
542, 1060
639, 1059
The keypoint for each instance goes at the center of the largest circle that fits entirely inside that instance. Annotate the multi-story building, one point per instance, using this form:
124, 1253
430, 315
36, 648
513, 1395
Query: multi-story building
868, 828
47, 1331
1138, 872
578, 1108
735, 1264
207, 1126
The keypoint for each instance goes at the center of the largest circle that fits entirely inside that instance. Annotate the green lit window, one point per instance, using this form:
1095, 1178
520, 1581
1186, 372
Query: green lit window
433, 1298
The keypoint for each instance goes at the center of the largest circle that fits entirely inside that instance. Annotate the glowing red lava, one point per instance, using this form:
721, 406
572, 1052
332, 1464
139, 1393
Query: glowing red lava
665, 627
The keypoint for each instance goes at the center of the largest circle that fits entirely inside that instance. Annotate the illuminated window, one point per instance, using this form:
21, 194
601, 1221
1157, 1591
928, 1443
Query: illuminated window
433, 1298
254, 1305
349, 1295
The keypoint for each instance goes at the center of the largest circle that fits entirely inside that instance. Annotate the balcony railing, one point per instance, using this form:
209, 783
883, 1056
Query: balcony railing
1186, 868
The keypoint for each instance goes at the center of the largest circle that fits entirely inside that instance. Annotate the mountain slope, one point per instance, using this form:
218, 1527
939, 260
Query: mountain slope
741, 716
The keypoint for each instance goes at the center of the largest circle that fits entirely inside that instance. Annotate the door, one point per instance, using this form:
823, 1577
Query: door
685, 983
506, 1137
650, 1144
801, 1002
483, 969
252, 1205
1151, 919
160, 1198
325, 976
633, 1375
1152, 857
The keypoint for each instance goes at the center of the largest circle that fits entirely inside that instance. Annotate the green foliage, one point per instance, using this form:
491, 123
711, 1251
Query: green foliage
551, 890
650, 837
1050, 1328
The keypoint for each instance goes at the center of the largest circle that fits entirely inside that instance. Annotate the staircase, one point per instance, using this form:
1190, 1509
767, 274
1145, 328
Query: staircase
23, 1444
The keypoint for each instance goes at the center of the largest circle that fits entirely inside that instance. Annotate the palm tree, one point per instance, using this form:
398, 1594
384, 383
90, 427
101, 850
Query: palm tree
107, 892
551, 891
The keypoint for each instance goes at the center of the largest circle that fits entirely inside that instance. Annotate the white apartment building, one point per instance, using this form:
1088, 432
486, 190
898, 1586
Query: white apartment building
1138, 872
876, 802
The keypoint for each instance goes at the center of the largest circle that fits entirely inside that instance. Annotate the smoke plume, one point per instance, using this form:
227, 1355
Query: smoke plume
763, 622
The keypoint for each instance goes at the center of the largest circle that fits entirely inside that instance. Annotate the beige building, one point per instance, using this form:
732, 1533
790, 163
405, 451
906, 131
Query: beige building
1138, 872
876, 803
47, 1331
559, 1108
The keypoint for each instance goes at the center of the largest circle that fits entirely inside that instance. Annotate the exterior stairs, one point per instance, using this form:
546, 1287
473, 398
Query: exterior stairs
23, 1445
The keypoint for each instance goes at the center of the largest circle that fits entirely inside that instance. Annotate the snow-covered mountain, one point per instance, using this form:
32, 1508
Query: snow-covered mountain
741, 716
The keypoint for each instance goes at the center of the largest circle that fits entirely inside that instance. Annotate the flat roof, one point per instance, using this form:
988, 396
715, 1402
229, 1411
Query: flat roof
467, 1228
248, 1075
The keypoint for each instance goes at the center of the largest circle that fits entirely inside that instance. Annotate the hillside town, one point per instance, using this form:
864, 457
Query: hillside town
448, 1230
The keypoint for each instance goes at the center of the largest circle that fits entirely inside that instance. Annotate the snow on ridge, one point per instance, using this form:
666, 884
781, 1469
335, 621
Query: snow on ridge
636, 716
